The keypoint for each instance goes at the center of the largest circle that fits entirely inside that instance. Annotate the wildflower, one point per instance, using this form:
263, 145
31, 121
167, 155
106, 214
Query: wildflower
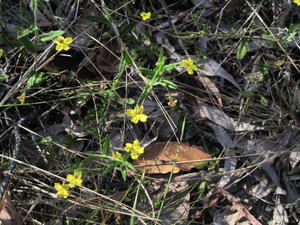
145, 15
297, 2
189, 65
63, 43
116, 155
172, 102
75, 178
62, 190
137, 114
135, 149
22, 97
1, 52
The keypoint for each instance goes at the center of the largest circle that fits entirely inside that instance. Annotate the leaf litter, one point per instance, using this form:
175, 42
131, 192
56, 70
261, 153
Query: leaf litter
251, 145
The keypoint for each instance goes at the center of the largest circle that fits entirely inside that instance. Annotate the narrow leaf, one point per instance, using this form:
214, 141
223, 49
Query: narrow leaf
242, 50
3, 76
27, 31
106, 145
50, 35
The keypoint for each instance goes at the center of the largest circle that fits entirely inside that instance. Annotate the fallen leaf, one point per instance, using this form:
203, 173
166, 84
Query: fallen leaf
210, 85
212, 68
280, 216
230, 162
8, 213
165, 157
176, 197
217, 116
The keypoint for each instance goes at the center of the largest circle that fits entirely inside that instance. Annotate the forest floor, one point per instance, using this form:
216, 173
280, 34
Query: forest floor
150, 112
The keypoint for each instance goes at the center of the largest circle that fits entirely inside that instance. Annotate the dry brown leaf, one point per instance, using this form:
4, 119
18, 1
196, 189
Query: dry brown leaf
8, 213
165, 157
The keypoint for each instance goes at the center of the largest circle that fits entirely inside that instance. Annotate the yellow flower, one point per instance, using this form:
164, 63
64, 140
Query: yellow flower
135, 149
22, 97
62, 190
172, 102
297, 2
145, 15
189, 65
116, 155
137, 114
75, 178
1, 52
62, 43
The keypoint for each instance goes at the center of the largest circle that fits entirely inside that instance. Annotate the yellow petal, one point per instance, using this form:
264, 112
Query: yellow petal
78, 174
135, 119
142, 117
134, 155
136, 143
145, 16
130, 112
191, 69
1, 52
62, 190
57, 186
139, 109
66, 46
59, 40
59, 47
172, 102
128, 147
116, 155
140, 150
68, 40
22, 97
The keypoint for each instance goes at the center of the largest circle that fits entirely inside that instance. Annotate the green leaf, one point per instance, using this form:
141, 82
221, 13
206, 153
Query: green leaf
27, 31
149, 73
242, 49
263, 101
294, 27
147, 89
28, 44
167, 83
50, 35
3, 76
97, 19
7, 40
129, 101
34, 79
128, 28
127, 57
160, 62
106, 145
124, 173
109, 94
33, 5
168, 68
248, 94
269, 38
128, 165
46, 140
110, 168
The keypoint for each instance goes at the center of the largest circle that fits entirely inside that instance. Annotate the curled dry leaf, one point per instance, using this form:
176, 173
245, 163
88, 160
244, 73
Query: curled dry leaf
165, 157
